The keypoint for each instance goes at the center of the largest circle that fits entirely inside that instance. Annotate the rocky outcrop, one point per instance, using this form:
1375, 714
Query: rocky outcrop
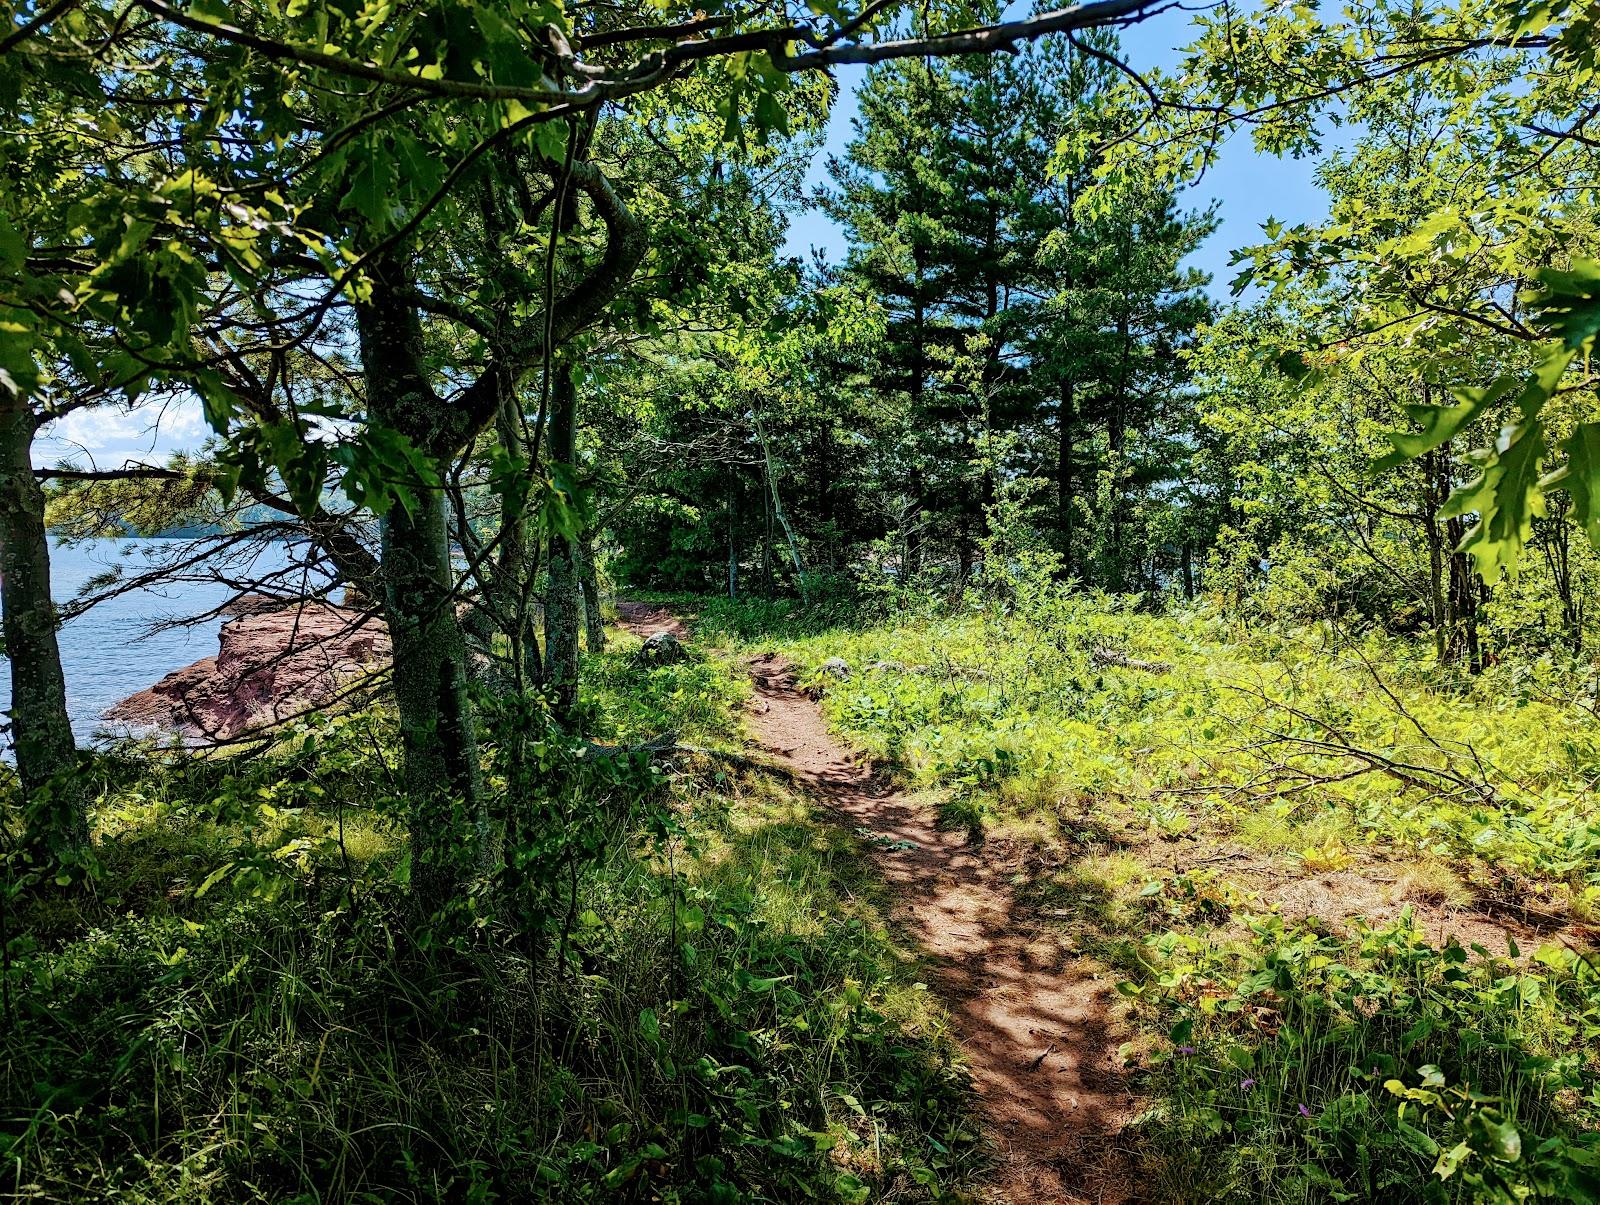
255, 604
271, 665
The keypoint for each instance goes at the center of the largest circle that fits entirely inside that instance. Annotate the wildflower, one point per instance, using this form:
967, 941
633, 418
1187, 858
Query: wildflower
1186, 1051
1246, 1084
1304, 1112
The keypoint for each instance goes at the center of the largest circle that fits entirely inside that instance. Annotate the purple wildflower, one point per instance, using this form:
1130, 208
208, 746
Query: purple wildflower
1304, 1112
1185, 1050
1246, 1084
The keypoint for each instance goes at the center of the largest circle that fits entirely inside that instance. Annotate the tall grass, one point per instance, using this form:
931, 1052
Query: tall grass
246, 1007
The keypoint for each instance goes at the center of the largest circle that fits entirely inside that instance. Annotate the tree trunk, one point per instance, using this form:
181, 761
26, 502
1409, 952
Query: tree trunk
1463, 602
594, 623
508, 608
438, 732
1064, 482
1554, 538
1435, 490
561, 603
1116, 436
913, 523
766, 534
733, 539
1116, 443
917, 487
58, 819
448, 817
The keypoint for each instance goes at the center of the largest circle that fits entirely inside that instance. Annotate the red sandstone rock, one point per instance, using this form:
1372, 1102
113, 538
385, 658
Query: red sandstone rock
270, 667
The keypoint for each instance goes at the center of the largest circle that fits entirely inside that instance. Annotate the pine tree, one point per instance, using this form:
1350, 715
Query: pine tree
969, 225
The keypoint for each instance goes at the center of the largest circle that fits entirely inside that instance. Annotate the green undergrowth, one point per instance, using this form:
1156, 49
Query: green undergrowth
245, 1007
1143, 755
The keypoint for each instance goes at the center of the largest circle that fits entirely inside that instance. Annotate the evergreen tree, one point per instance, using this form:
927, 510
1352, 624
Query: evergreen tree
980, 240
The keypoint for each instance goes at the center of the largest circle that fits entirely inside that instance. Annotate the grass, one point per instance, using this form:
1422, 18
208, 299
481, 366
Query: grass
1267, 842
243, 1008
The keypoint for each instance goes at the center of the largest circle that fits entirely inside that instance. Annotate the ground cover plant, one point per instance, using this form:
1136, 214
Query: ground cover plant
1351, 909
1161, 439
239, 1011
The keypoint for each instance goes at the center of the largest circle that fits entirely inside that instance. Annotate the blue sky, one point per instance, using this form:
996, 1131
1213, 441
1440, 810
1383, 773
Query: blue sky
1248, 187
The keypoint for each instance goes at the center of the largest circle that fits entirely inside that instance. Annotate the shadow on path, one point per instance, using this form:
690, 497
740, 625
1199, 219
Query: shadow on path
1034, 1019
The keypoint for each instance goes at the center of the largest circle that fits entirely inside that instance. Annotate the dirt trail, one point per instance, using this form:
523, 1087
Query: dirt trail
1034, 1019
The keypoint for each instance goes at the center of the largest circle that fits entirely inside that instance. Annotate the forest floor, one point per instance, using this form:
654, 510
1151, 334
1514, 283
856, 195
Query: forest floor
1034, 1017
1199, 908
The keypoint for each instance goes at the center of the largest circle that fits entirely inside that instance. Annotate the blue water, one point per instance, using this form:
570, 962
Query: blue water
110, 651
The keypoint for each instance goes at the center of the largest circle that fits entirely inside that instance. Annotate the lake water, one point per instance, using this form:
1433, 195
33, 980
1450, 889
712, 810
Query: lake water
109, 652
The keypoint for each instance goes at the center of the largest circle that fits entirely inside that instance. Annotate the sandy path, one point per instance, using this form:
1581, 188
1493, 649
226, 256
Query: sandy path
1034, 1019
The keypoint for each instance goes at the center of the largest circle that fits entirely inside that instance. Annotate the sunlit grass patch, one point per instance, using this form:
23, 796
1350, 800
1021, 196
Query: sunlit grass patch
1432, 881
1265, 775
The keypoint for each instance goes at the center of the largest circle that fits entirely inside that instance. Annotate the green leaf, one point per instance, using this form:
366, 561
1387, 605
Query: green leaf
1569, 305
1580, 476
1416, 1139
1442, 423
1439, 424
1450, 1160
212, 879
1501, 1139
550, 139
368, 193
13, 247
19, 371
1506, 496
218, 402
851, 1189
759, 983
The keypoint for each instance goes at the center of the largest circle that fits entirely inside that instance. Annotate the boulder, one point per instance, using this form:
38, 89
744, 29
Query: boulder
663, 648
836, 668
271, 665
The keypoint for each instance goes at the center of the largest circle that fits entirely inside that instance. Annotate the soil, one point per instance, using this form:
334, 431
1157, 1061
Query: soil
1036, 1021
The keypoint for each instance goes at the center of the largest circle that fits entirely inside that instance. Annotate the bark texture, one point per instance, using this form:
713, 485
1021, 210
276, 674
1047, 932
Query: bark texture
58, 816
562, 605
438, 733
594, 623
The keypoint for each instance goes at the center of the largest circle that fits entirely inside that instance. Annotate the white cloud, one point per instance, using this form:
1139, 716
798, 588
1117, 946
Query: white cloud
106, 436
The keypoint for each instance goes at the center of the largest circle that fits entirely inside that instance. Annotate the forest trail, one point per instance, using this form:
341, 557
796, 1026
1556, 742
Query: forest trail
1034, 1019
